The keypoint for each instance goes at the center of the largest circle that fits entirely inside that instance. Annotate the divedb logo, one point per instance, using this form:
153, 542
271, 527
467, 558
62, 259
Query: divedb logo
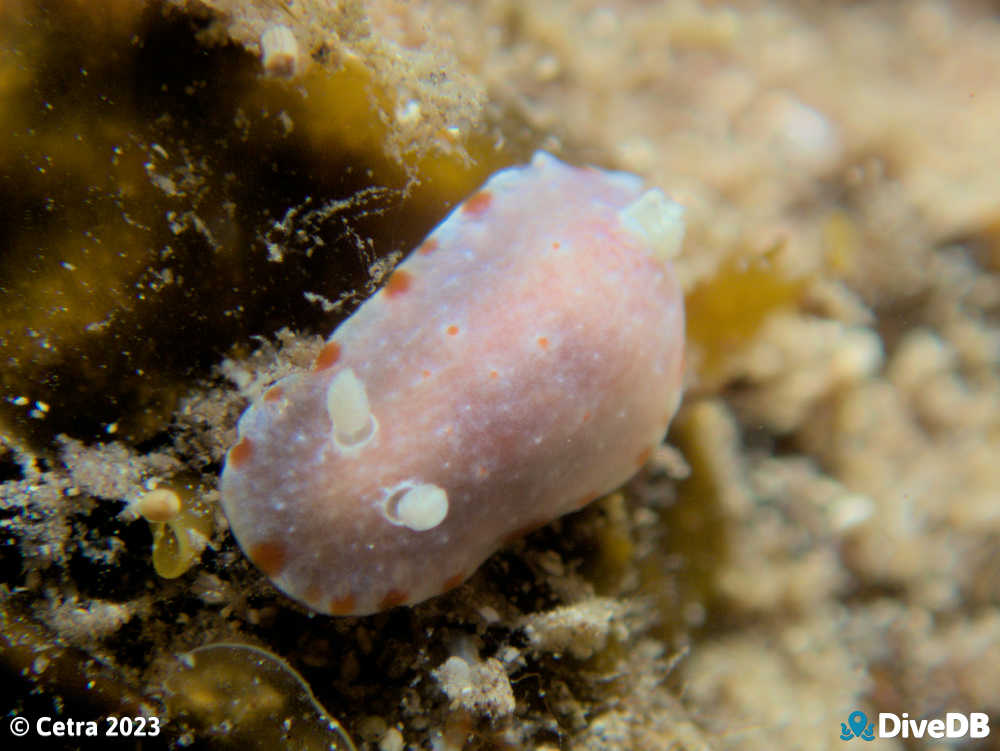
954, 725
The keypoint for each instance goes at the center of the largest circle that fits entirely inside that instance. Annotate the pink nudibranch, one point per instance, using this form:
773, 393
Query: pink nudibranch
523, 361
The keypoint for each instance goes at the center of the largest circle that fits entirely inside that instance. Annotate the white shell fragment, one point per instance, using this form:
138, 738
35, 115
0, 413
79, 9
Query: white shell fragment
280, 52
658, 220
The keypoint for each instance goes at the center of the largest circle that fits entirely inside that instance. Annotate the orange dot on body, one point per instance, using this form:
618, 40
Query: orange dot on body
452, 330
478, 203
453, 581
644, 456
312, 595
343, 605
269, 557
428, 246
393, 598
240, 454
521, 531
327, 356
399, 282
273, 394
543, 342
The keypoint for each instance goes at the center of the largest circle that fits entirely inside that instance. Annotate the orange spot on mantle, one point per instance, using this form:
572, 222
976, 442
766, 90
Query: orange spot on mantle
453, 581
643, 457
312, 595
273, 394
393, 598
343, 605
399, 282
327, 356
520, 532
428, 246
269, 557
543, 342
240, 453
451, 330
478, 203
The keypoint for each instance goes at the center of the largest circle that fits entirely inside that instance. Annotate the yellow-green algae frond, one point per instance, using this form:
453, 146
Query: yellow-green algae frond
245, 697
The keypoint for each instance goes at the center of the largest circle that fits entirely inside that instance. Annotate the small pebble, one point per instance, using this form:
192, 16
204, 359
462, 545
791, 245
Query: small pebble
391, 741
280, 52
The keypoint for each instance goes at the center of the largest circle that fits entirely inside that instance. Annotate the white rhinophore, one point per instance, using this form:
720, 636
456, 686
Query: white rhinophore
417, 506
657, 220
349, 411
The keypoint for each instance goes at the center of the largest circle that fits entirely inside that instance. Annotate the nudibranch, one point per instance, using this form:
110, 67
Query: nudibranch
524, 360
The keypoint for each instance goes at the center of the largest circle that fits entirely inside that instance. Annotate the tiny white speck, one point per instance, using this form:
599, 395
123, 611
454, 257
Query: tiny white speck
409, 113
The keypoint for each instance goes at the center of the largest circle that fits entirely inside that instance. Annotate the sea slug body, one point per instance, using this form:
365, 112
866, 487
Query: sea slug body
523, 361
